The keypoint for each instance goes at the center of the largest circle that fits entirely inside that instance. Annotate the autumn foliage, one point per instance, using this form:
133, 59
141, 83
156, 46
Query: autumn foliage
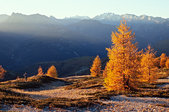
127, 67
52, 72
40, 71
2, 72
105, 72
122, 68
148, 66
167, 63
163, 60
96, 67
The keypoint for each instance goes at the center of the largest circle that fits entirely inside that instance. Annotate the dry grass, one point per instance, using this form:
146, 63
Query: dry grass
65, 102
85, 89
86, 83
163, 73
58, 92
30, 83
10, 97
84, 86
162, 105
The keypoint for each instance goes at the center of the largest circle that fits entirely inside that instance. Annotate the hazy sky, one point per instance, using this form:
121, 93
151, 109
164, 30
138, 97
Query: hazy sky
91, 8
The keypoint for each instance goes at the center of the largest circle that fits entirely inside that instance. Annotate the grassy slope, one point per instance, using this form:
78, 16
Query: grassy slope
70, 67
7, 96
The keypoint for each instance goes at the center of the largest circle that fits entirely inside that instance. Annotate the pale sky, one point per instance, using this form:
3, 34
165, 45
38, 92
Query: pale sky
91, 8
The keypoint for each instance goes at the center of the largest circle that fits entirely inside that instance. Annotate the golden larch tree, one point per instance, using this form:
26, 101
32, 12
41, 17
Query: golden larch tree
2, 72
40, 71
52, 72
105, 72
96, 67
148, 66
122, 68
167, 63
163, 58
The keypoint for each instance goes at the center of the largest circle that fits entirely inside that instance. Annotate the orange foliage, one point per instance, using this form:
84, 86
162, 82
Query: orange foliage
40, 71
122, 68
96, 67
2, 72
163, 60
167, 63
52, 72
105, 72
148, 66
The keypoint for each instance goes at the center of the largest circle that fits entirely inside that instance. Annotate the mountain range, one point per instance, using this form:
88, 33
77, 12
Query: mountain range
29, 39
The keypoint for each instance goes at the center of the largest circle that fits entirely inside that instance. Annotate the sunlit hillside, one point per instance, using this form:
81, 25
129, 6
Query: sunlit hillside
129, 79
52, 39
84, 56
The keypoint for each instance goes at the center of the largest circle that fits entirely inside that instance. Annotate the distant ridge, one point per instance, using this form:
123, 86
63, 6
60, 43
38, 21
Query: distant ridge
104, 16
35, 38
129, 17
